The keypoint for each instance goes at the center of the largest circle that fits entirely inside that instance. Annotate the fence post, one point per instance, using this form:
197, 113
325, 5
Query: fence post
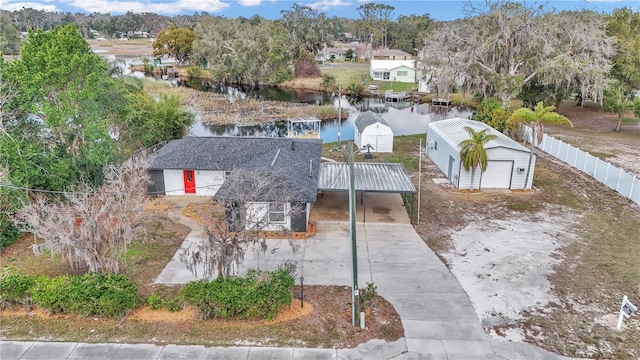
595, 168
584, 166
633, 182
619, 177
566, 154
575, 159
606, 174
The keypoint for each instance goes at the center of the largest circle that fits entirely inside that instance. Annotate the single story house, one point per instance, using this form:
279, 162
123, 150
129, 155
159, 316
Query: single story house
393, 70
332, 54
390, 54
510, 164
373, 133
279, 174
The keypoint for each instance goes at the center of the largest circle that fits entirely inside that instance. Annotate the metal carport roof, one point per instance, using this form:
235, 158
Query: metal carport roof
370, 177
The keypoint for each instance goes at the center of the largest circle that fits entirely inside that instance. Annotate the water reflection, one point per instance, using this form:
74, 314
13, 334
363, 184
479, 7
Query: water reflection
404, 118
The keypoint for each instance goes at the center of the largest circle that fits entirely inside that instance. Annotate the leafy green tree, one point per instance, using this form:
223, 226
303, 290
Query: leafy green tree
349, 55
65, 101
408, 32
309, 29
490, 112
244, 52
473, 153
375, 20
624, 26
176, 42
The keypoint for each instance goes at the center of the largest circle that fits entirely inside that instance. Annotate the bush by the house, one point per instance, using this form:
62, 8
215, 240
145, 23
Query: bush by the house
89, 294
260, 294
15, 288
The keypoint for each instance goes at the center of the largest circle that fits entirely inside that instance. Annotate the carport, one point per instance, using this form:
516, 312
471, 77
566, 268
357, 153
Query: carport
378, 178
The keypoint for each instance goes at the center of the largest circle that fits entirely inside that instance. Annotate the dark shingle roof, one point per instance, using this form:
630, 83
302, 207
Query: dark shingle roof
367, 118
228, 153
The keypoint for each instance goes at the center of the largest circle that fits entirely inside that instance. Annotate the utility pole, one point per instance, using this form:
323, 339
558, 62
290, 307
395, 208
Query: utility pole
355, 313
339, 113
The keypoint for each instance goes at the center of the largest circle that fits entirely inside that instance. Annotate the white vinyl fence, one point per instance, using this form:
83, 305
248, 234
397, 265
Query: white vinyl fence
617, 179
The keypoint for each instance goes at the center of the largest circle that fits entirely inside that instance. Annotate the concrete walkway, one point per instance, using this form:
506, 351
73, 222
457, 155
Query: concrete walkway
437, 315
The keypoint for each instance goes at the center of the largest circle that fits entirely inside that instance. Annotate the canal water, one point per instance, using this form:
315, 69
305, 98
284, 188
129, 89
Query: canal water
404, 118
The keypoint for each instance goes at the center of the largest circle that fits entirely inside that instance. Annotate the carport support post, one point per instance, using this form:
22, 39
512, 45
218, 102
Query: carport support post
352, 231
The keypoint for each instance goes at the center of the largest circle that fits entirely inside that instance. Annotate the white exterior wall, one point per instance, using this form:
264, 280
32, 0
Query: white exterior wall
377, 135
174, 182
207, 182
461, 179
440, 153
257, 215
409, 78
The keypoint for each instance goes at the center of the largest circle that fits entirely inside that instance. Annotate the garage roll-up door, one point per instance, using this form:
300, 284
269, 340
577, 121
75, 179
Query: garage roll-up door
497, 176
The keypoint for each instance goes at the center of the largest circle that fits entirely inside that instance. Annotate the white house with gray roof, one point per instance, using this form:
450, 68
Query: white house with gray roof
202, 166
508, 161
373, 132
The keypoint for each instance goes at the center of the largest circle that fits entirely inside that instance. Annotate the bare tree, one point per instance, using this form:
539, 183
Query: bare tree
505, 45
91, 227
255, 201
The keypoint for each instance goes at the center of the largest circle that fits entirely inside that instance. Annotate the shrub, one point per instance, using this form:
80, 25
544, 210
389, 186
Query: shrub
484, 110
15, 288
327, 112
367, 295
90, 294
102, 294
306, 66
355, 90
53, 294
490, 112
260, 294
328, 83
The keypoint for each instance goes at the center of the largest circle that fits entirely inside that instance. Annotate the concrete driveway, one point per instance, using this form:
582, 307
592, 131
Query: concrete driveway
371, 207
438, 317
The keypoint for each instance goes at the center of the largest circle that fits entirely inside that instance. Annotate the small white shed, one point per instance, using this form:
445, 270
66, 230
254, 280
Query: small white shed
372, 130
508, 161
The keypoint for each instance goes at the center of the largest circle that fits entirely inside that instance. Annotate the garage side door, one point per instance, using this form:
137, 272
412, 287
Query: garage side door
497, 176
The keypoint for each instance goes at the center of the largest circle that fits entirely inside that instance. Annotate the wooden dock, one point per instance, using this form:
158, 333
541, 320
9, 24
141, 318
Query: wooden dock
392, 96
446, 101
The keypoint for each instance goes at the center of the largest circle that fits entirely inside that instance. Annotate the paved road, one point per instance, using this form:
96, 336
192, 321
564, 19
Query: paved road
437, 315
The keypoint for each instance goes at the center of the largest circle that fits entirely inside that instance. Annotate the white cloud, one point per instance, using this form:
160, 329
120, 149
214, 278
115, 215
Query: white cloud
34, 5
250, 2
107, 6
328, 4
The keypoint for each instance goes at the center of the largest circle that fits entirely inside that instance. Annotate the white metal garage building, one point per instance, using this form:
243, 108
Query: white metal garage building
372, 130
508, 166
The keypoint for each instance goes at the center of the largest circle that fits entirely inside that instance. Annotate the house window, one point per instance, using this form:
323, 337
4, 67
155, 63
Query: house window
385, 76
276, 212
402, 73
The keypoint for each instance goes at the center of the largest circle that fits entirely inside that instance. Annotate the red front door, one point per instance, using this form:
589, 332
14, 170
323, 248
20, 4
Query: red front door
189, 182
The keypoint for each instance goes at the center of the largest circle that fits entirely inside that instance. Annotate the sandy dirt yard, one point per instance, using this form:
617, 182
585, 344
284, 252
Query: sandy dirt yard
621, 149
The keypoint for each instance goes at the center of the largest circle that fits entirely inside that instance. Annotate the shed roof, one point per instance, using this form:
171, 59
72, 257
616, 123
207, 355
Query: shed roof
371, 177
368, 118
452, 130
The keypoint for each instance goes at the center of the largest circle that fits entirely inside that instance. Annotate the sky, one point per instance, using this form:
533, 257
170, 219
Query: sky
439, 10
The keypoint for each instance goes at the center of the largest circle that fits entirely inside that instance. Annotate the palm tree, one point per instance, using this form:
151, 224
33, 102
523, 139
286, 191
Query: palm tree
473, 153
535, 119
